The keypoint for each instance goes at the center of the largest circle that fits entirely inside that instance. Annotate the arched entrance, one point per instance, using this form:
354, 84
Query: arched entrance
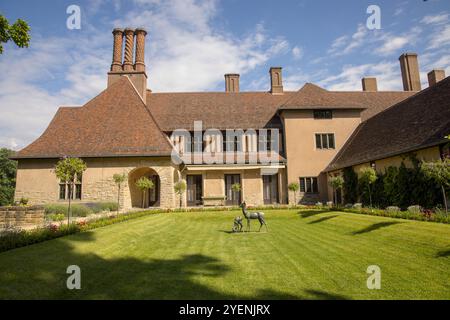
152, 196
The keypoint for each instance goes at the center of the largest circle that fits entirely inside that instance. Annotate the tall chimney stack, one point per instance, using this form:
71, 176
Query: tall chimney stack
129, 46
409, 66
276, 81
117, 50
434, 76
134, 71
140, 49
232, 82
369, 84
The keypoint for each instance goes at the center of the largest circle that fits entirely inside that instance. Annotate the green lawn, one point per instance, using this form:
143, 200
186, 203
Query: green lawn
306, 254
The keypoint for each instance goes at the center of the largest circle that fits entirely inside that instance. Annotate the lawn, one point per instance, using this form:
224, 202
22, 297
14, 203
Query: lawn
305, 255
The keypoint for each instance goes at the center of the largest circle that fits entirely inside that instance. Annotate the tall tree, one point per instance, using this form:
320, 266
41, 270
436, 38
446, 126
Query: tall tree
144, 184
18, 32
367, 177
8, 170
439, 171
294, 187
68, 170
336, 183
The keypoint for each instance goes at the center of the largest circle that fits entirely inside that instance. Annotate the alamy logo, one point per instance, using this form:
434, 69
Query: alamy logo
74, 20
74, 280
374, 20
374, 279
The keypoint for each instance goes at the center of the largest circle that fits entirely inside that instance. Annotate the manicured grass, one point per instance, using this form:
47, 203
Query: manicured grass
307, 254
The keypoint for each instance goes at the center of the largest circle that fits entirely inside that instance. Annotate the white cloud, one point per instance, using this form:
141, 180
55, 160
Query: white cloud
435, 19
345, 44
297, 52
440, 39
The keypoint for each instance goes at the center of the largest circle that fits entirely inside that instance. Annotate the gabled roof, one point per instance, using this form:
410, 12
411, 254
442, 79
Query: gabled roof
420, 121
115, 123
311, 96
218, 110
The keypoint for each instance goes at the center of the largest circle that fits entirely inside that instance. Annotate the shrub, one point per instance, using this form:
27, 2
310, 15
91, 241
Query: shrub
23, 201
319, 204
391, 209
78, 210
57, 217
357, 206
104, 206
415, 209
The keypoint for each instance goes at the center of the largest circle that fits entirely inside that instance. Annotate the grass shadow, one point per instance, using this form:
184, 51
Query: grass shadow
322, 295
323, 219
375, 226
443, 254
310, 213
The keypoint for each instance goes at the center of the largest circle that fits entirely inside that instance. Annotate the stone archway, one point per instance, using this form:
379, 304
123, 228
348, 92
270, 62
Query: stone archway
153, 196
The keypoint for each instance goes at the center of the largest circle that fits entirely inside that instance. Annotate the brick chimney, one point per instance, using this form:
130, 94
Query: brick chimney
133, 64
369, 84
435, 75
409, 66
232, 82
276, 81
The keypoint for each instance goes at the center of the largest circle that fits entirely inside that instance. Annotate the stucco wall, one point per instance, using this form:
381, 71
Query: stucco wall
304, 160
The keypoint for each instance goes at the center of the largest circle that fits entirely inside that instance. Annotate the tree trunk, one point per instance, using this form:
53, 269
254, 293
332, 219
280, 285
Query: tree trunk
118, 200
445, 198
370, 196
335, 197
181, 202
69, 209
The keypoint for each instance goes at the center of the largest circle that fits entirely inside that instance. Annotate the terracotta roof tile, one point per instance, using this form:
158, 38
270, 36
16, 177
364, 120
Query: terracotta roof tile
114, 123
417, 122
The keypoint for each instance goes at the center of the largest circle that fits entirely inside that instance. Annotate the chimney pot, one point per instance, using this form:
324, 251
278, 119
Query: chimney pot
117, 50
140, 34
409, 66
232, 82
369, 84
435, 75
129, 46
276, 81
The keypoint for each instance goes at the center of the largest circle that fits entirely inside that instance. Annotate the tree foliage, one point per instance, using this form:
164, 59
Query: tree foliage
294, 187
19, 33
144, 184
8, 169
180, 187
350, 186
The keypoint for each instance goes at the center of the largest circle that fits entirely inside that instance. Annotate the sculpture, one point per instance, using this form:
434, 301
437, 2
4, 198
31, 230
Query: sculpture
253, 215
237, 225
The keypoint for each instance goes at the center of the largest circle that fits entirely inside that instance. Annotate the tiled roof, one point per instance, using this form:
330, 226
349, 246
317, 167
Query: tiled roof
115, 123
311, 96
415, 123
118, 123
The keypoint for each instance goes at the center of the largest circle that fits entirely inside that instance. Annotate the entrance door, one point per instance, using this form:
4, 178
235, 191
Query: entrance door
270, 188
153, 194
233, 198
194, 190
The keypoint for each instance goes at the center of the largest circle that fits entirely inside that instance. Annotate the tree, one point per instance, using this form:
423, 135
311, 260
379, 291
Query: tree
19, 33
68, 170
144, 184
294, 187
350, 186
118, 180
439, 171
8, 169
367, 177
236, 187
336, 183
180, 188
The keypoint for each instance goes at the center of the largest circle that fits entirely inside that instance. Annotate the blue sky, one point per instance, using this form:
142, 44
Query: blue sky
192, 43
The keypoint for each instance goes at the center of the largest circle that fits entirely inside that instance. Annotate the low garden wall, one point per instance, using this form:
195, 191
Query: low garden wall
21, 216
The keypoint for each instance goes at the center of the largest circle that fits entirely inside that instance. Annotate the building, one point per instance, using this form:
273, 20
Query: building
416, 127
260, 140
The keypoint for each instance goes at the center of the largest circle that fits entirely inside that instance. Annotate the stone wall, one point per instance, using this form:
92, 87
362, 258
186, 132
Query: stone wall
21, 217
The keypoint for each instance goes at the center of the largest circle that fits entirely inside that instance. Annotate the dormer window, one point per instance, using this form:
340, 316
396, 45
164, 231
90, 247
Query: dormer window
323, 114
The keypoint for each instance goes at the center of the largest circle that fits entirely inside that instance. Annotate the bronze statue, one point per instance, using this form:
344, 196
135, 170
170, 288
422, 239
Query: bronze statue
253, 215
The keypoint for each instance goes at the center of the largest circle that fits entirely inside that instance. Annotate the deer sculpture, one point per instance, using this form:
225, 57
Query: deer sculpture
252, 216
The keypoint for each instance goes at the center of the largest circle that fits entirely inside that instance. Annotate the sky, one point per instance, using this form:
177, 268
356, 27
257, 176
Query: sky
191, 44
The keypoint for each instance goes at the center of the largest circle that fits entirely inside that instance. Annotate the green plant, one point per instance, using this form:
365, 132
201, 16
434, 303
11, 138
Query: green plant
350, 186
144, 184
23, 201
8, 170
68, 170
367, 177
236, 187
336, 183
19, 32
294, 187
57, 217
439, 171
118, 180
180, 188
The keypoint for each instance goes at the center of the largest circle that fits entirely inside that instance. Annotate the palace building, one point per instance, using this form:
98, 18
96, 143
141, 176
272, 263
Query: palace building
262, 141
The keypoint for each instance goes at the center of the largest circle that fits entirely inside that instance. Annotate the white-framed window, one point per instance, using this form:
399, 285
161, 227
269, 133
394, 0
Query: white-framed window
65, 189
309, 185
